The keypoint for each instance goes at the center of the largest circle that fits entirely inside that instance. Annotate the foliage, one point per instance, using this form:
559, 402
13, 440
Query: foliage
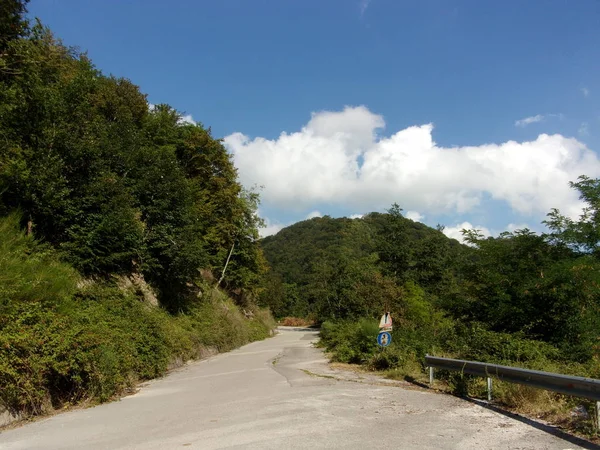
351, 342
113, 184
62, 344
30, 272
110, 187
327, 268
519, 299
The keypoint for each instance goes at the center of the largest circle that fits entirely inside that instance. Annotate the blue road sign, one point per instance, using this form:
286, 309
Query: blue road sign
384, 339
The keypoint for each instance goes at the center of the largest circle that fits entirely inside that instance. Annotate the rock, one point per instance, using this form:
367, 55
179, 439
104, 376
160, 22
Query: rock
580, 411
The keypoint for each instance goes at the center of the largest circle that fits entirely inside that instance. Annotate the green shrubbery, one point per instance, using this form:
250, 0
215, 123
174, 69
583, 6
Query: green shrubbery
93, 348
61, 344
116, 189
355, 342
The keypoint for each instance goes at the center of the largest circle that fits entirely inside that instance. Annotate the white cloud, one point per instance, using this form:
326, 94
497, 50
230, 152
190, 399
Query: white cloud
511, 227
529, 120
455, 232
271, 227
187, 119
584, 129
414, 215
338, 158
585, 91
357, 216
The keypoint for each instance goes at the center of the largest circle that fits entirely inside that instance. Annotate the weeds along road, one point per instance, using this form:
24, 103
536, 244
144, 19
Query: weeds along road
281, 394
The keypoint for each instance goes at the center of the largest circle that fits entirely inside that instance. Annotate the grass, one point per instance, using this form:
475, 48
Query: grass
355, 343
62, 345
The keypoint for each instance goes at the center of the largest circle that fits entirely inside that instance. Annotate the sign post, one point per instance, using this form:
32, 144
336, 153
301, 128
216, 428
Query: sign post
385, 327
384, 339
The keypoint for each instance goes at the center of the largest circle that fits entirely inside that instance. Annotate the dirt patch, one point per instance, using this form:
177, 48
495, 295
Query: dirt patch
295, 322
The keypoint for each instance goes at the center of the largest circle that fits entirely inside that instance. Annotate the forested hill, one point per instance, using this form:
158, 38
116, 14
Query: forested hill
498, 291
518, 299
115, 184
344, 268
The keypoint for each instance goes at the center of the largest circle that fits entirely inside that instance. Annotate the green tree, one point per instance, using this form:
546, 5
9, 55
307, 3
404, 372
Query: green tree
582, 235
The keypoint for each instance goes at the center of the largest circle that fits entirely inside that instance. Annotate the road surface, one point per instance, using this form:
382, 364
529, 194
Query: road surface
281, 394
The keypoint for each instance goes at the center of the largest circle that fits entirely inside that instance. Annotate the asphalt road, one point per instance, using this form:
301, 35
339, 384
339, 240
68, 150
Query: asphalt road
281, 394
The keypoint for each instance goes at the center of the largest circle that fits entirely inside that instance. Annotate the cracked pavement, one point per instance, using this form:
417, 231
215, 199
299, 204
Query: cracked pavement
281, 394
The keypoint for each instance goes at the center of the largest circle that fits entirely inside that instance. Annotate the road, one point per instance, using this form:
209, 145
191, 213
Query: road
281, 394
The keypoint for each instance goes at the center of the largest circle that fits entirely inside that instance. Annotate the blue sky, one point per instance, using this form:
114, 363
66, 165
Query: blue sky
254, 69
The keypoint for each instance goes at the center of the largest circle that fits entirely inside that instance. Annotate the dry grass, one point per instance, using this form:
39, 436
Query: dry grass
571, 414
295, 322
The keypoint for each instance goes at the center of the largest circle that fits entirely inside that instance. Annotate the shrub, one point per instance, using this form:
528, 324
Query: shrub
60, 345
350, 342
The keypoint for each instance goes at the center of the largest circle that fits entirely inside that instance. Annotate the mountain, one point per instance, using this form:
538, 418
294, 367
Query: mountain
342, 268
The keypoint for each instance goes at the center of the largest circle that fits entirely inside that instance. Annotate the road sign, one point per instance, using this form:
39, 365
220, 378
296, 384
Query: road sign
384, 339
386, 322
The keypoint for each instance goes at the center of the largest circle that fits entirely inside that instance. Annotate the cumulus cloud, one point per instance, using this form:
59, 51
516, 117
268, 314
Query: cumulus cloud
339, 158
455, 232
585, 91
187, 119
270, 229
313, 214
414, 215
357, 216
529, 120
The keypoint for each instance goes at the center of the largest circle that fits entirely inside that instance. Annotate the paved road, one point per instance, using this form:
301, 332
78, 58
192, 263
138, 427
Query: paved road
266, 396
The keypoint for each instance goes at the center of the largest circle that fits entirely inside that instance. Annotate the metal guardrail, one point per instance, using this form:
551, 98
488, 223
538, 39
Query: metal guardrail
565, 384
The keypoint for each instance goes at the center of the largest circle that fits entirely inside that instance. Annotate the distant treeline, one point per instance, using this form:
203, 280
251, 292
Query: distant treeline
532, 287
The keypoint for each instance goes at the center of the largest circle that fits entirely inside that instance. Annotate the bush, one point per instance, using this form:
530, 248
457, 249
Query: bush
30, 272
60, 345
350, 342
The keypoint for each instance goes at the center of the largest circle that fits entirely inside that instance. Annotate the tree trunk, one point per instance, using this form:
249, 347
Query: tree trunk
226, 263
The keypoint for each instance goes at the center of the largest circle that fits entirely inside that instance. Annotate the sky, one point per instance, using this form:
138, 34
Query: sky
465, 113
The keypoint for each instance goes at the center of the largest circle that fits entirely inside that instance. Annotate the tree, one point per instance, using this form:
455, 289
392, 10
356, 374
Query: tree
583, 235
13, 24
394, 251
115, 187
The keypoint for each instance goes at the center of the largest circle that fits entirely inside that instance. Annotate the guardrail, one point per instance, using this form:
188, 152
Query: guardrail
565, 384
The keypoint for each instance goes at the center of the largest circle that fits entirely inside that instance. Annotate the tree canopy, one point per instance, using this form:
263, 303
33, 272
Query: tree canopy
542, 286
117, 185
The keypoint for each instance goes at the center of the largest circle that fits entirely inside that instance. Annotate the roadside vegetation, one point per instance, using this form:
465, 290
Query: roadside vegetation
520, 299
61, 344
127, 244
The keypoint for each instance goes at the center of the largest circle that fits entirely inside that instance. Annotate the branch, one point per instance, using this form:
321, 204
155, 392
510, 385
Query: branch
225, 268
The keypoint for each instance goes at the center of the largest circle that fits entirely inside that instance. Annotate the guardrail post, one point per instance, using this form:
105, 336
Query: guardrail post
489, 386
430, 376
597, 416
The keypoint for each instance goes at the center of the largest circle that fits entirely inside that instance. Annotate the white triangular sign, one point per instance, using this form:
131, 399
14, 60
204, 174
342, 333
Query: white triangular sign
386, 321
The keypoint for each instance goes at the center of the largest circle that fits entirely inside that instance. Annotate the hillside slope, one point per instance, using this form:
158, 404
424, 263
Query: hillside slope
98, 188
344, 268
